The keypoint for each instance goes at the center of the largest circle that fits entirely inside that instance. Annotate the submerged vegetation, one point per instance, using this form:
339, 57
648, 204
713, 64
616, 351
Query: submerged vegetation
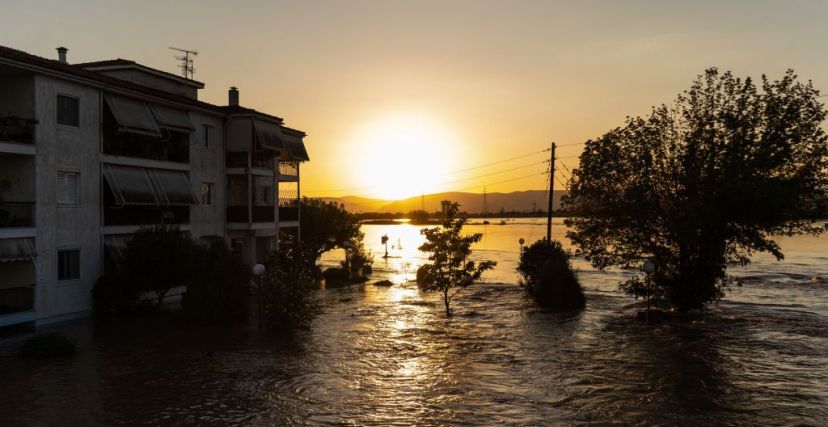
703, 184
548, 277
450, 270
286, 290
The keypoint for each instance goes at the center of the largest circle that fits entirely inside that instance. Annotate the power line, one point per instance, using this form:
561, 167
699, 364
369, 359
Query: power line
336, 190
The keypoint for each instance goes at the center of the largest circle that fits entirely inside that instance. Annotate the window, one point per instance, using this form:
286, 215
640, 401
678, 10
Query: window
68, 113
208, 137
206, 193
69, 264
68, 188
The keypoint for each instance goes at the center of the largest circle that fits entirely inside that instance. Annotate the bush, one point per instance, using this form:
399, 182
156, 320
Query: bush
548, 276
49, 345
218, 285
358, 264
425, 277
286, 290
335, 276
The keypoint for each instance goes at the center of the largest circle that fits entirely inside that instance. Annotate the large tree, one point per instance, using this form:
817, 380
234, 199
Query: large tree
703, 184
325, 226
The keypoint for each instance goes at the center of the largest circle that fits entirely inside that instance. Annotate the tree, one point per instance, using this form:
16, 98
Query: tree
218, 285
703, 184
326, 226
448, 252
286, 289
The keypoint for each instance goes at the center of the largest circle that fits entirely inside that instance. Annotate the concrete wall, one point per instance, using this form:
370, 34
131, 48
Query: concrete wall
64, 148
240, 135
207, 165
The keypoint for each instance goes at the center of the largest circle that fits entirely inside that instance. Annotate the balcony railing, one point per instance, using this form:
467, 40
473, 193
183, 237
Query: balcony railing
15, 300
260, 214
289, 169
264, 162
16, 129
17, 214
236, 160
146, 215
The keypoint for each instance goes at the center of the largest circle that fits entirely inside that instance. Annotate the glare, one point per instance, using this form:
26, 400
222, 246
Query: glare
403, 155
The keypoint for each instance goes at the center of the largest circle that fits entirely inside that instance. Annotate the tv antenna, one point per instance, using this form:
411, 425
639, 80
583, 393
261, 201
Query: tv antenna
186, 66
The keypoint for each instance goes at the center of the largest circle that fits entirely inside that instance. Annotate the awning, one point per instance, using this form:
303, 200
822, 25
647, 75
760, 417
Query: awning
132, 116
172, 119
269, 136
295, 149
130, 185
20, 249
173, 187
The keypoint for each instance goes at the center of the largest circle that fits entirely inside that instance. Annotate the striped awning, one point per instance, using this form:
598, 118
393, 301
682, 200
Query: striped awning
19, 249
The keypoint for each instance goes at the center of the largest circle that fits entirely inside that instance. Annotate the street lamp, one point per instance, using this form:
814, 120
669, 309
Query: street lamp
258, 270
521, 241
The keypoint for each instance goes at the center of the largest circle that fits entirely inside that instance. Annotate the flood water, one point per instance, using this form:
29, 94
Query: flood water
389, 356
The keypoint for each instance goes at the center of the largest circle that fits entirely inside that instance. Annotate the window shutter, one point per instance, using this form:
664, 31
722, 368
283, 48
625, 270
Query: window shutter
68, 188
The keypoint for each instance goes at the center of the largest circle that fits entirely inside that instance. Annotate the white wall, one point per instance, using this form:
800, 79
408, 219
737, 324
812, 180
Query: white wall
72, 149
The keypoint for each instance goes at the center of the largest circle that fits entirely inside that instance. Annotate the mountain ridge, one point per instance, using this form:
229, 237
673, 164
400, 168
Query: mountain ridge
527, 200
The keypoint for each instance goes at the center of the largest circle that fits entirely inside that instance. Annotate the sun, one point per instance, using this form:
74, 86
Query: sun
403, 155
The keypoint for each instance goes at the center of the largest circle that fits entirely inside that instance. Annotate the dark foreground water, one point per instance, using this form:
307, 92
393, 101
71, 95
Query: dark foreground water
389, 356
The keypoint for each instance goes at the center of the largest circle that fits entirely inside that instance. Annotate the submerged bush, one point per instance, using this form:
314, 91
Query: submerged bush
425, 277
48, 345
548, 276
286, 290
112, 293
335, 276
218, 286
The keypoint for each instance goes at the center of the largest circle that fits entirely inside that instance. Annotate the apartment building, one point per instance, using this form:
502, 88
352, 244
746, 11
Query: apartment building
90, 153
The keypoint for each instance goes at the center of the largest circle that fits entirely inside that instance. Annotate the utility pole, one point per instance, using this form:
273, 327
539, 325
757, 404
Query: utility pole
551, 193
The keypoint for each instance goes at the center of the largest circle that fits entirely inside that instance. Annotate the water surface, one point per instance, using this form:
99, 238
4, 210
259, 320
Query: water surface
389, 356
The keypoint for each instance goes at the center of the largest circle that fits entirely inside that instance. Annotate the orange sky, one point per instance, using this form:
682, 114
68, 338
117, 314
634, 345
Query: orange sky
396, 97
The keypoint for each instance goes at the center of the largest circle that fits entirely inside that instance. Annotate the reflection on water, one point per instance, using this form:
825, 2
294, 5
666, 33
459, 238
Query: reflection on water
389, 356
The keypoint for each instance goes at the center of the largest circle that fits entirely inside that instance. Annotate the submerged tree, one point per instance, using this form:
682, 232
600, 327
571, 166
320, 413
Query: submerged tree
703, 184
448, 249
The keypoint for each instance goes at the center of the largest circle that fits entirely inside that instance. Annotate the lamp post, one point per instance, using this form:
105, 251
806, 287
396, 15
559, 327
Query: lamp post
521, 241
258, 270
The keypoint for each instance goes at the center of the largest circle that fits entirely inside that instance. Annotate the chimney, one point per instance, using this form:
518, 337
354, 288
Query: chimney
233, 96
62, 54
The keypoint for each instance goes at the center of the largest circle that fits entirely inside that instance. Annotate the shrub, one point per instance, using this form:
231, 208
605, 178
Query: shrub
286, 290
425, 277
548, 276
335, 276
48, 345
358, 263
217, 287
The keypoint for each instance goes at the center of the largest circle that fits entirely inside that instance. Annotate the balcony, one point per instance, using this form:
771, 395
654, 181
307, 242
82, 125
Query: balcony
17, 299
288, 171
288, 213
17, 130
146, 215
17, 214
260, 214
263, 162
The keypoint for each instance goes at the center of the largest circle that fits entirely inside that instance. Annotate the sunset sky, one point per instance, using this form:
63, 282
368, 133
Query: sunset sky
399, 98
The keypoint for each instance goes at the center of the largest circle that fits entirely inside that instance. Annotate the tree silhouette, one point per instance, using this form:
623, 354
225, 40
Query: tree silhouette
448, 249
703, 184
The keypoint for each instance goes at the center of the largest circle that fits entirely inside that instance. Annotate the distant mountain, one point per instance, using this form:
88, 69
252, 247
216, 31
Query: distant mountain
469, 202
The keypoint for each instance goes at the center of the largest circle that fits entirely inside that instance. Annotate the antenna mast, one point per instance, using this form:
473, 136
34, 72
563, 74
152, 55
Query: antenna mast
186, 66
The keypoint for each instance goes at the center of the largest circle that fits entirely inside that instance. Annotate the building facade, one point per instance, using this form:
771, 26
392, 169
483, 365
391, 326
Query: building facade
90, 153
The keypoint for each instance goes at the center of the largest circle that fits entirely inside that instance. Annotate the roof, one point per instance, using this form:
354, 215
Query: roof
18, 56
121, 63
80, 71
